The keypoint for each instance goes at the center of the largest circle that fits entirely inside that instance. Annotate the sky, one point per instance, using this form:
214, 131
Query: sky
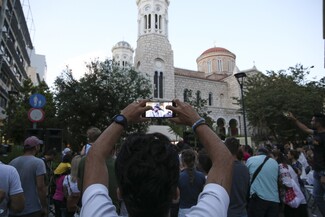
270, 34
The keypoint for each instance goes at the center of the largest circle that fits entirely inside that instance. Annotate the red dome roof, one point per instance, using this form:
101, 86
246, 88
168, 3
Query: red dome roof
215, 49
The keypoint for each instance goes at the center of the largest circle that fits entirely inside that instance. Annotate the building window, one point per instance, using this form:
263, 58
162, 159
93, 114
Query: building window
149, 21
159, 21
155, 81
156, 21
210, 99
158, 85
219, 65
3, 102
198, 97
4, 78
187, 95
145, 22
209, 66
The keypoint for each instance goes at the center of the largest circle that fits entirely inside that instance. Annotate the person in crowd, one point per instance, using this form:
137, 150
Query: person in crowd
264, 196
240, 182
92, 134
204, 162
112, 184
287, 147
66, 152
48, 157
70, 182
318, 141
32, 172
293, 156
147, 168
11, 193
286, 176
303, 160
191, 182
60, 173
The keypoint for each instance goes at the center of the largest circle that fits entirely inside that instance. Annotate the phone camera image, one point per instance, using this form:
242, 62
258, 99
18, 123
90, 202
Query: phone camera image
286, 114
159, 110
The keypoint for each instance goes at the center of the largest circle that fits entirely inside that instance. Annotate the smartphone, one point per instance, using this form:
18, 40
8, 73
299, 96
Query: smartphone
159, 110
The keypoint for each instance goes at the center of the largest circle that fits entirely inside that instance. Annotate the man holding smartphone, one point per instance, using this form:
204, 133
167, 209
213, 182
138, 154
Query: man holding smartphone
147, 168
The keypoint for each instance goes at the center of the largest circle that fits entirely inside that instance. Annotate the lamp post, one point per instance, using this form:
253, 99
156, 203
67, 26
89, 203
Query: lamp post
240, 78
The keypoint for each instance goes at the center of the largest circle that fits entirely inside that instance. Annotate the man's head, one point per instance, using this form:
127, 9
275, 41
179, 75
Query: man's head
50, 155
318, 121
156, 107
233, 145
92, 134
32, 143
147, 171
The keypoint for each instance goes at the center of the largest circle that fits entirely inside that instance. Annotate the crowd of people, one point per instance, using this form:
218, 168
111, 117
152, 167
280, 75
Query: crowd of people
150, 176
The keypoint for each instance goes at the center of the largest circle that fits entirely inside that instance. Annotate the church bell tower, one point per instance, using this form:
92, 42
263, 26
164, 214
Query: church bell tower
154, 55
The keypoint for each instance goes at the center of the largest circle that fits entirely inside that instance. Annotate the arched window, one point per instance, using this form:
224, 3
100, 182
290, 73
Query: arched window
186, 95
161, 89
209, 66
158, 84
155, 81
145, 22
198, 97
210, 99
149, 21
219, 65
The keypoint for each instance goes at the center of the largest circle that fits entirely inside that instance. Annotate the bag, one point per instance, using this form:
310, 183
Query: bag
293, 195
72, 199
72, 202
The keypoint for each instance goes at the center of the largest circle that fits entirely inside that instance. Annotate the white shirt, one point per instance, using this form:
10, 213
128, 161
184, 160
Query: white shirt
213, 201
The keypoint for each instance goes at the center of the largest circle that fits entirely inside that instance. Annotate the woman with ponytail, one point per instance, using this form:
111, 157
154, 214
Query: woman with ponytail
191, 182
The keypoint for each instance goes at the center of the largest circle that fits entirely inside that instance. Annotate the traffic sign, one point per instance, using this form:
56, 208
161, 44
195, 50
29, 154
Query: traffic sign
36, 115
37, 100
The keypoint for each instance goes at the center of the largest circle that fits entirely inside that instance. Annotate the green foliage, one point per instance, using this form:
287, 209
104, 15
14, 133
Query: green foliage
94, 99
267, 97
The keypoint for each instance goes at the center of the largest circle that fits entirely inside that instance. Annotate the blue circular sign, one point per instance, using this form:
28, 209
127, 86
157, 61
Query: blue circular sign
37, 100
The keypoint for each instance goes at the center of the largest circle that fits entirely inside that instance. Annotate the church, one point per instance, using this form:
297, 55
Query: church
214, 79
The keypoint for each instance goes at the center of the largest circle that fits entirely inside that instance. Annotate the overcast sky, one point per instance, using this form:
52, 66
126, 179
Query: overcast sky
273, 34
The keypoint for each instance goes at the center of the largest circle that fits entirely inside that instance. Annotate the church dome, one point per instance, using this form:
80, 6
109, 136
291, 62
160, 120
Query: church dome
216, 60
122, 44
216, 50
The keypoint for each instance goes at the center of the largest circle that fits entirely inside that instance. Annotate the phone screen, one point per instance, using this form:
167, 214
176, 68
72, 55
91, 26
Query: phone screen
159, 110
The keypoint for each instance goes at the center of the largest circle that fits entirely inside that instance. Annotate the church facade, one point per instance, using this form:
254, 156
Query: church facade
214, 79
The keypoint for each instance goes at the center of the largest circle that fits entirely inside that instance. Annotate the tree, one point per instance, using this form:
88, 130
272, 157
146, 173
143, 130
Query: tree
268, 96
94, 99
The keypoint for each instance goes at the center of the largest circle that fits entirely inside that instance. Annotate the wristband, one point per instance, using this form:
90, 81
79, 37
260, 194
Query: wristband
198, 123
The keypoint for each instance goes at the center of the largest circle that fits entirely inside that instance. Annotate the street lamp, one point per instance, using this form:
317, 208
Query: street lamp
240, 78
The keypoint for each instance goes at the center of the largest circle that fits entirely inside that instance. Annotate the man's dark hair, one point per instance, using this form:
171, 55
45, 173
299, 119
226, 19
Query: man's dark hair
147, 171
205, 162
320, 118
50, 152
233, 145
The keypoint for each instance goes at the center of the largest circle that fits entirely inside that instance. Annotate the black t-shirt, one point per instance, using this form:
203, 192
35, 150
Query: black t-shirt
319, 151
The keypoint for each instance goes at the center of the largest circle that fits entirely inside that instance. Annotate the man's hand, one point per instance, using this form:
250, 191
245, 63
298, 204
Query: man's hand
185, 113
133, 112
